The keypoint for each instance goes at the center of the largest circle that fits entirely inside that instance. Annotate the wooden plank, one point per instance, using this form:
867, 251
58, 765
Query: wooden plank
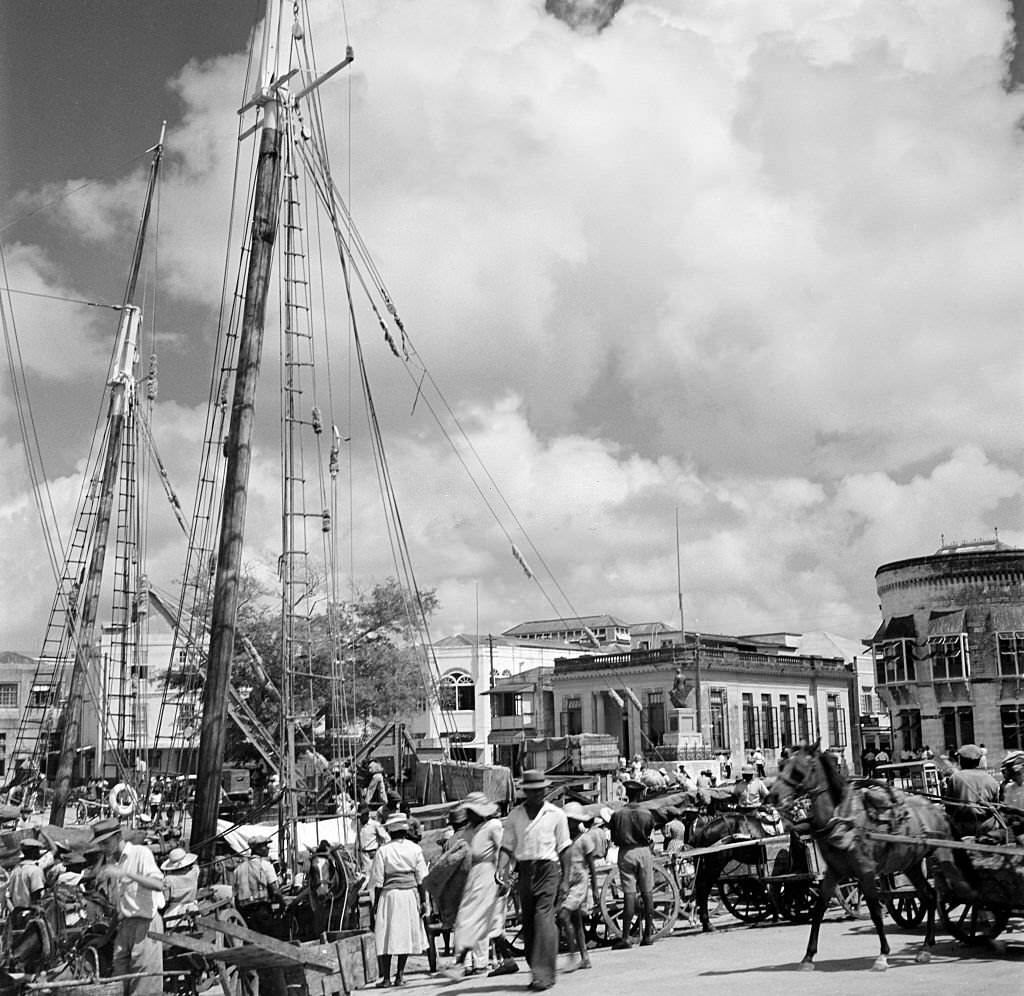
184, 941
249, 956
699, 852
319, 958
956, 845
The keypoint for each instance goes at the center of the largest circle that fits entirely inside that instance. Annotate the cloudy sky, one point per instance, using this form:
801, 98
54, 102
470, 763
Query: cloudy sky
757, 262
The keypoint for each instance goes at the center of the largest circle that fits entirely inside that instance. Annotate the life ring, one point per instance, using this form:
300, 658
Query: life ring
123, 800
16, 794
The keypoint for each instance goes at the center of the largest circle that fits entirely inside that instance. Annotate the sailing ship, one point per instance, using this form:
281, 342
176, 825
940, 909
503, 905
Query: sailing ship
290, 195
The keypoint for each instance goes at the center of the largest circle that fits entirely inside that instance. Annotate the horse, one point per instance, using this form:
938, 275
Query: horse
716, 827
811, 790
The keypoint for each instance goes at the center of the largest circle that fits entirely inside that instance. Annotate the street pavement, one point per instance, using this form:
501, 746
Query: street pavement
764, 960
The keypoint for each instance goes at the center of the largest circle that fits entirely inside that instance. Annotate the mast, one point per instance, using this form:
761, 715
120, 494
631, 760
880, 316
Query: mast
263, 233
122, 401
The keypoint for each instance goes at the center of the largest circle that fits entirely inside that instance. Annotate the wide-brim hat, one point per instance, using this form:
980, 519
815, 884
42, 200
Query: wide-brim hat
477, 802
399, 821
1014, 759
574, 811
30, 845
534, 779
629, 783
105, 828
971, 752
179, 859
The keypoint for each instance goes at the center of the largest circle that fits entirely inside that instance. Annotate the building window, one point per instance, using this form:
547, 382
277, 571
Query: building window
1011, 654
836, 720
1012, 718
957, 726
894, 662
751, 739
9, 695
457, 692
768, 723
785, 722
908, 726
949, 658
804, 719
718, 716
572, 716
40, 697
656, 717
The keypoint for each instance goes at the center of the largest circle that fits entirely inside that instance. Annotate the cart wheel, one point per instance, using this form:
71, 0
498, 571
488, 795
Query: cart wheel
747, 899
796, 900
233, 981
906, 908
968, 923
850, 899
664, 896
514, 922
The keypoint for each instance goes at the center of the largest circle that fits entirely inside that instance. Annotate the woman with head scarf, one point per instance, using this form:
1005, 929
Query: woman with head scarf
481, 915
399, 901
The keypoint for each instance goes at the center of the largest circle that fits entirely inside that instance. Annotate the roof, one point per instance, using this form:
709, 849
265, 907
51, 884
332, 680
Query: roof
825, 644
896, 628
15, 657
569, 622
479, 640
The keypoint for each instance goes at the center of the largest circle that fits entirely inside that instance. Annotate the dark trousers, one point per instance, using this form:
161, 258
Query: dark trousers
538, 884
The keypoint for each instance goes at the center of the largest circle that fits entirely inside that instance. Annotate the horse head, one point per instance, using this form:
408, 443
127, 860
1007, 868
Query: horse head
807, 774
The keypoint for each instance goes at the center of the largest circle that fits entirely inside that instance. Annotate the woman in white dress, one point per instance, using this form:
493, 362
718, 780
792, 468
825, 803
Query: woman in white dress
399, 903
481, 916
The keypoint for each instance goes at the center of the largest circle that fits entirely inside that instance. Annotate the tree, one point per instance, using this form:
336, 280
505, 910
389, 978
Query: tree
366, 662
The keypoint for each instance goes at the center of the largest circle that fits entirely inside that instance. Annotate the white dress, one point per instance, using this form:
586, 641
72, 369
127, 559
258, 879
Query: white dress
482, 911
398, 868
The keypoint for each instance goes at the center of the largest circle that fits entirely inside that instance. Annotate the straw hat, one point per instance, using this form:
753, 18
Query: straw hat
399, 821
477, 802
102, 829
534, 779
179, 859
574, 811
31, 847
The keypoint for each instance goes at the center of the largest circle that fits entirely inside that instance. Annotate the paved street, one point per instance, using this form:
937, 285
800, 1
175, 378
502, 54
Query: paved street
762, 961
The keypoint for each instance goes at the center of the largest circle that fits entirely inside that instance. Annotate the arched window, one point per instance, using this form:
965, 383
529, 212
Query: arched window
457, 692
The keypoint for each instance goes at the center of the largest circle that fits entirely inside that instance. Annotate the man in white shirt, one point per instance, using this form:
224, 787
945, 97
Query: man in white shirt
537, 838
137, 886
257, 887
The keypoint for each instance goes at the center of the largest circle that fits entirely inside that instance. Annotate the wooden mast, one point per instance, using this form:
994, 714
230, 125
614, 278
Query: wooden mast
239, 443
122, 400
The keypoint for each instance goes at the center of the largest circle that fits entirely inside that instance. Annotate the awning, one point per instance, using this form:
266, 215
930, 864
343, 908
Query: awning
946, 623
1007, 618
896, 628
512, 688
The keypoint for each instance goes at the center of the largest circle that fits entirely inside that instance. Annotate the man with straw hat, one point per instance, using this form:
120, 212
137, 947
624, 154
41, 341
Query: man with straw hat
138, 887
536, 837
257, 887
26, 884
631, 829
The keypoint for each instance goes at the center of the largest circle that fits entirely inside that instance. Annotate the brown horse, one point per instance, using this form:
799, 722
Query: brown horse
810, 790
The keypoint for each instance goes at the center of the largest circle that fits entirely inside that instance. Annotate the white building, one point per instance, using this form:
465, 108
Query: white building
468, 665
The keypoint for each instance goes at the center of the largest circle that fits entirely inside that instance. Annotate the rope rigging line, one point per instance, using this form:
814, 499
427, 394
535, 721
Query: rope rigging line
58, 297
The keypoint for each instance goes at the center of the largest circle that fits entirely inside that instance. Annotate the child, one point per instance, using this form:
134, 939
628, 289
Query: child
582, 882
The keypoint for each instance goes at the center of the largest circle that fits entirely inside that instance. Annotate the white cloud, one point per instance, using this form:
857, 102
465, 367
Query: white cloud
757, 261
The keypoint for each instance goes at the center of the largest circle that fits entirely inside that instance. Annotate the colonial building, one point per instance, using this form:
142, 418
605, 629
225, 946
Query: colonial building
754, 693
585, 631
949, 654
17, 674
469, 665
522, 708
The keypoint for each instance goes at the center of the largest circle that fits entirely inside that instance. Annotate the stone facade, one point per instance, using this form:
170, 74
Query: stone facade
949, 655
752, 695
